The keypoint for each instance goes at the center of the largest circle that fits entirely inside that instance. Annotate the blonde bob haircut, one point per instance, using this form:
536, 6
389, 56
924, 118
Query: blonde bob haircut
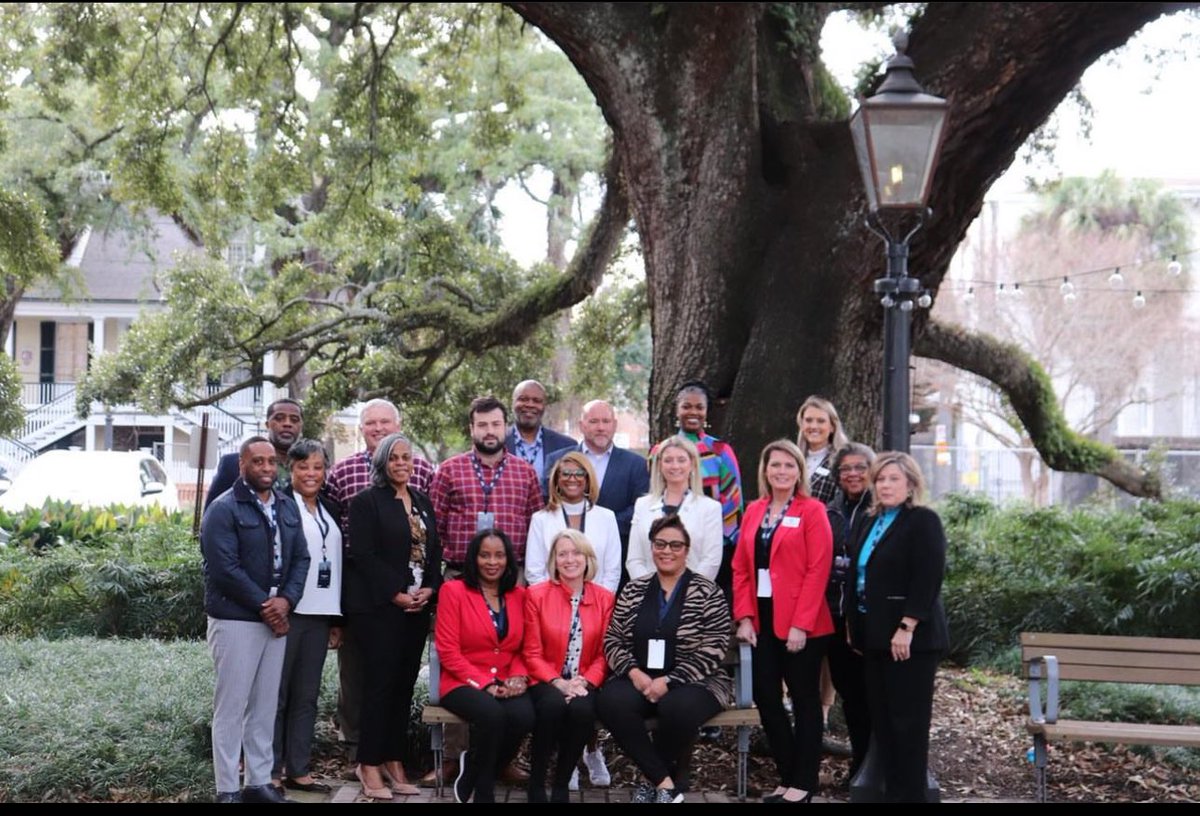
658, 485
912, 474
837, 439
788, 448
585, 549
591, 490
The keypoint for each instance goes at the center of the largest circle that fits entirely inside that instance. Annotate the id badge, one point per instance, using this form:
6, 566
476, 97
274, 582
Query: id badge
484, 521
656, 654
764, 583
324, 574
821, 471
791, 521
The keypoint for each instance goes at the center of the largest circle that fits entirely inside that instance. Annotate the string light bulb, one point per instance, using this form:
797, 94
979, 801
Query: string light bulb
1018, 291
1069, 297
1067, 287
1174, 268
970, 295
925, 300
887, 302
1116, 280
1139, 300
906, 305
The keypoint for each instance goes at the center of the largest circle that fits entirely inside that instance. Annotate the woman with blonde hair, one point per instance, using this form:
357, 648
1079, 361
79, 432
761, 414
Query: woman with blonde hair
571, 505
820, 437
897, 619
676, 489
565, 621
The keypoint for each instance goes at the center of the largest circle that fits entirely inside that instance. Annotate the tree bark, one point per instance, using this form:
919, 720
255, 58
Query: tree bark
746, 194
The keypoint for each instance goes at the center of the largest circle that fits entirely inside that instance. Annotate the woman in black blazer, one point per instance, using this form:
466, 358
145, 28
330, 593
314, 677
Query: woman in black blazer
899, 559
392, 575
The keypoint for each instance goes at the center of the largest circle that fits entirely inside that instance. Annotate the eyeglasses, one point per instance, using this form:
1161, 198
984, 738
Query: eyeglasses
662, 544
572, 474
853, 469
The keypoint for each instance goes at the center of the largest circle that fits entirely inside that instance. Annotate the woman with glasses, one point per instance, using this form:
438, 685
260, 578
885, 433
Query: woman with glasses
571, 505
565, 621
392, 577
780, 572
848, 510
675, 489
897, 620
665, 644
820, 437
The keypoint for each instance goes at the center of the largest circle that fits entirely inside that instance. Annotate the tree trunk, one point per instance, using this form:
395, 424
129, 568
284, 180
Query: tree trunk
746, 193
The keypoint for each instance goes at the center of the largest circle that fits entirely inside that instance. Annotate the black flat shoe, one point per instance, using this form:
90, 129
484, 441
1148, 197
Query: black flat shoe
308, 787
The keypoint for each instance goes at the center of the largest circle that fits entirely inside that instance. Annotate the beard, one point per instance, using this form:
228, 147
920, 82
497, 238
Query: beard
488, 448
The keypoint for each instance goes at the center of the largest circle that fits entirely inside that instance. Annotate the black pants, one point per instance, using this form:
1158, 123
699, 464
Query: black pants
497, 728
390, 641
901, 699
797, 751
848, 674
680, 712
567, 725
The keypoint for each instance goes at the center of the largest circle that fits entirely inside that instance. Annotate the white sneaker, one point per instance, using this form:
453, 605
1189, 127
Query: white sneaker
574, 783
596, 768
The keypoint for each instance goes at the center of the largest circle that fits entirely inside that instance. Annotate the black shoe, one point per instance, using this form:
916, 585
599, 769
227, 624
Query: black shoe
307, 787
462, 786
235, 796
711, 733
264, 795
668, 796
771, 798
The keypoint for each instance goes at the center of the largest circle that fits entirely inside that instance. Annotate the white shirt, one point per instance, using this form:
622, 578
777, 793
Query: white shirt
600, 529
327, 601
599, 462
703, 519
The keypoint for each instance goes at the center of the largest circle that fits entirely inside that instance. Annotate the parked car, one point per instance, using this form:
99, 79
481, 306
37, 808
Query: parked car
92, 479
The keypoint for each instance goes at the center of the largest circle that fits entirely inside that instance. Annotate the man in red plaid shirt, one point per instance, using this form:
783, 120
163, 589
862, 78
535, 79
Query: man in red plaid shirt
484, 488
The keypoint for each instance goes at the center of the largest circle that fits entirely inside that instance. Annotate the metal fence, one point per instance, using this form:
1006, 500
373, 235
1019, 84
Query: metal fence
997, 474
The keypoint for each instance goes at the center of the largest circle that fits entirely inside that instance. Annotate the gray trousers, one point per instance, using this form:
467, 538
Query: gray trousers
248, 660
296, 717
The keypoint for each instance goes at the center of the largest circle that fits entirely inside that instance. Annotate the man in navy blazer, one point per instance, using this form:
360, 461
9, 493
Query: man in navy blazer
623, 475
527, 437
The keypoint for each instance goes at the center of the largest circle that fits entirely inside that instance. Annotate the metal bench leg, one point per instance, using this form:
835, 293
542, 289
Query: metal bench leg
743, 746
1039, 766
437, 741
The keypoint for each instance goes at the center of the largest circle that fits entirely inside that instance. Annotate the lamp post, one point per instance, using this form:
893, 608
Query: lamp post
897, 137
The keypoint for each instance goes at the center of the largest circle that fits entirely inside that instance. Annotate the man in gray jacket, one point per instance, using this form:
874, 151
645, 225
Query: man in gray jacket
255, 565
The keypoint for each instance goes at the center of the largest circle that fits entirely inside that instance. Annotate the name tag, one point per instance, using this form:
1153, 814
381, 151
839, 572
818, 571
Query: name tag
764, 583
484, 521
791, 521
656, 654
821, 471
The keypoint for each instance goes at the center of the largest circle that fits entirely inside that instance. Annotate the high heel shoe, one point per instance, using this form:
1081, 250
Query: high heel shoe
395, 778
372, 793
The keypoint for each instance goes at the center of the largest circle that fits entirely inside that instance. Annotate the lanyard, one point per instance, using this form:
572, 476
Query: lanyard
582, 517
269, 512
487, 487
768, 526
323, 528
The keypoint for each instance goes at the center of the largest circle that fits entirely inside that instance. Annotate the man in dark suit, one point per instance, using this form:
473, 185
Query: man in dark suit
527, 438
624, 476
285, 421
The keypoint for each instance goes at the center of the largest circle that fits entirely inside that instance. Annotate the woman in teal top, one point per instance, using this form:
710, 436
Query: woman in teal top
897, 621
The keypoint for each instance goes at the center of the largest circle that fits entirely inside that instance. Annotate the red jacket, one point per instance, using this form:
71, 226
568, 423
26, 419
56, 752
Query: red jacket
548, 625
468, 649
801, 556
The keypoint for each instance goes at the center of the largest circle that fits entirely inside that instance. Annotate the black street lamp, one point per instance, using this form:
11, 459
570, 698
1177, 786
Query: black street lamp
897, 138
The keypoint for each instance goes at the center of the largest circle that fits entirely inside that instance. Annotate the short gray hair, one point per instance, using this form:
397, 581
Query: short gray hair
375, 403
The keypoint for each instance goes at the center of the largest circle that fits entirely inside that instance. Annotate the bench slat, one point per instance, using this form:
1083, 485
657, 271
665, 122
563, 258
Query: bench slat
1127, 733
1047, 641
1112, 674
729, 718
1118, 659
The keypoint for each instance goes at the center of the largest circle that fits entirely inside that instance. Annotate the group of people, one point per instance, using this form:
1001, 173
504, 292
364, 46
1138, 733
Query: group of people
572, 582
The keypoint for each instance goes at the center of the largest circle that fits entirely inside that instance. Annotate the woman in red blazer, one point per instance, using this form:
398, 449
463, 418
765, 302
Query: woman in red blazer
780, 570
565, 621
479, 634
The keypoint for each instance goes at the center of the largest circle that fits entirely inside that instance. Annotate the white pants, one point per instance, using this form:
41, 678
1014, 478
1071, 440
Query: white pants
248, 660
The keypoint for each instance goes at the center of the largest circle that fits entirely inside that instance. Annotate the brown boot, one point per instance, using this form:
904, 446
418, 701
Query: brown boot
514, 775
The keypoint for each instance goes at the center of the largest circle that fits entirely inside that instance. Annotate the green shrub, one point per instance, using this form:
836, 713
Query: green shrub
58, 522
1087, 571
141, 581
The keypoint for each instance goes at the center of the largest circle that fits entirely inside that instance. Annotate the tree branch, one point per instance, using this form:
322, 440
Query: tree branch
1031, 394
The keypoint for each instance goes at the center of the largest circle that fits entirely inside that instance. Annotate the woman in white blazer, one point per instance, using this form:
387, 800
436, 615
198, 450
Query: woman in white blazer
572, 504
675, 487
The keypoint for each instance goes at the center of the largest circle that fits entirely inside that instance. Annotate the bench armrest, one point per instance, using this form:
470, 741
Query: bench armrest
1043, 667
743, 678
435, 675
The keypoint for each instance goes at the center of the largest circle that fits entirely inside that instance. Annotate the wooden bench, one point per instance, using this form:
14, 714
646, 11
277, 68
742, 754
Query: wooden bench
1048, 658
742, 715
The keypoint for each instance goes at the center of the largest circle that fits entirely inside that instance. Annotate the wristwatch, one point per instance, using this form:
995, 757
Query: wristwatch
905, 627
